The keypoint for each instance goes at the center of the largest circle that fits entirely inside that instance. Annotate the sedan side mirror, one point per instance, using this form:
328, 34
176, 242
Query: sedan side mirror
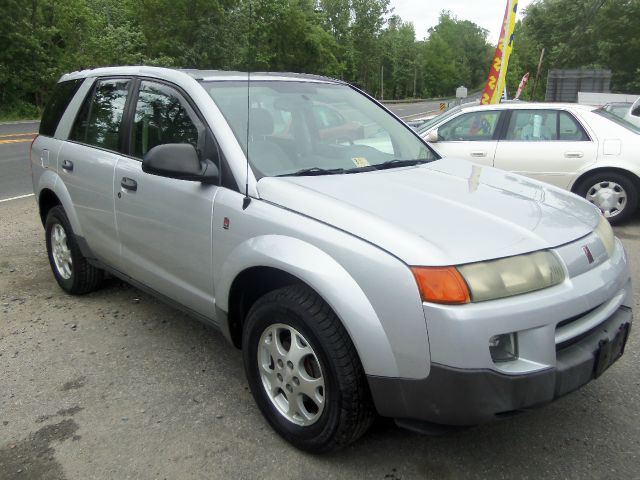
432, 136
179, 161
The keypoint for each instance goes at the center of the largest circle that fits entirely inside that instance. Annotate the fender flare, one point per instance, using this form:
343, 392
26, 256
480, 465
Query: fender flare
49, 180
329, 279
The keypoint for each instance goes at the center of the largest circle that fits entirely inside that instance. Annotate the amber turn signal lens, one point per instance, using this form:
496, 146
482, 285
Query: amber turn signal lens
441, 285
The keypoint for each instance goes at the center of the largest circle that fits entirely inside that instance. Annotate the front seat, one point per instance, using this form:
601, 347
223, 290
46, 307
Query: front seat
265, 154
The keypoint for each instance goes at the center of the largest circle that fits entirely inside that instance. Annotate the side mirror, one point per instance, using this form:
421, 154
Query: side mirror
179, 161
432, 136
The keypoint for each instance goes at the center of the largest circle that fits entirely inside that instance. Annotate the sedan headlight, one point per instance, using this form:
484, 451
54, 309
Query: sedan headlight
605, 232
512, 276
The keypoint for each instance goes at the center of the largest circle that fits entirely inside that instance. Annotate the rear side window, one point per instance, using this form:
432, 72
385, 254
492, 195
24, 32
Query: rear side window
99, 122
544, 125
60, 98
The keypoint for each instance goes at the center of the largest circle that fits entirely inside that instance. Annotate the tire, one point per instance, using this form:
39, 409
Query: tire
615, 194
71, 269
325, 356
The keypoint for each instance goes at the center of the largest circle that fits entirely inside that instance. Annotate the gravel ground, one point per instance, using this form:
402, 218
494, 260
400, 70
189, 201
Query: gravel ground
115, 385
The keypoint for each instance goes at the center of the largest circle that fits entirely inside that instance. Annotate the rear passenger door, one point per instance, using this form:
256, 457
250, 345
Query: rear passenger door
472, 136
164, 225
87, 163
549, 145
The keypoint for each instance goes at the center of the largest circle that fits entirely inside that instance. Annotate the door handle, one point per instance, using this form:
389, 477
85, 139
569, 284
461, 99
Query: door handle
67, 165
574, 155
478, 154
129, 184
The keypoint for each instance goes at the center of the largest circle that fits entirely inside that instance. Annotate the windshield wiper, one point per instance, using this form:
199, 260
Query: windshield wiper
314, 171
399, 163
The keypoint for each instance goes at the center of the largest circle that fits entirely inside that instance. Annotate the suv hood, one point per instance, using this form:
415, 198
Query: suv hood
447, 212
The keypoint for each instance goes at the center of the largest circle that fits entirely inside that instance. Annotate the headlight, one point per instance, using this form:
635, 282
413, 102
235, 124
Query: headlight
512, 276
605, 232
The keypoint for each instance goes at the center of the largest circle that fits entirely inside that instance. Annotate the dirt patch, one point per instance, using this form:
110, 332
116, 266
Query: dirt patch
74, 384
33, 458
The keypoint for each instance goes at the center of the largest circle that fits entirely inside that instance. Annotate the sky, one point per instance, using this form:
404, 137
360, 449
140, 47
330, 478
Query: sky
486, 13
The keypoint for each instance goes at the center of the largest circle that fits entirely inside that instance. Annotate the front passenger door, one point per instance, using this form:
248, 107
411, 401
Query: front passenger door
164, 224
472, 136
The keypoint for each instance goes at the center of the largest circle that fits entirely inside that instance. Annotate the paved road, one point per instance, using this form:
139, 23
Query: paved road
15, 174
410, 111
115, 385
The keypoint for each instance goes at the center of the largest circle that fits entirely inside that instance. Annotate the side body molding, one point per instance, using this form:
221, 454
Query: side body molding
329, 279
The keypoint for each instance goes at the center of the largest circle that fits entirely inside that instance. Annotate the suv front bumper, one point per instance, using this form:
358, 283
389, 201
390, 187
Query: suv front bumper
465, 397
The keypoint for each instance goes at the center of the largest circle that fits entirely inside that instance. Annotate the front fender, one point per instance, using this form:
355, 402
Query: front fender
329, 279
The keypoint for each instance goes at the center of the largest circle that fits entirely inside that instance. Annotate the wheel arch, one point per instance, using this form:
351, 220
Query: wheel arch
46, 201
52, 191
620, 171
262, 264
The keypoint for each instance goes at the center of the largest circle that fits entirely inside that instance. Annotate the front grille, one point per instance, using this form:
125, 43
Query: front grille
575, 339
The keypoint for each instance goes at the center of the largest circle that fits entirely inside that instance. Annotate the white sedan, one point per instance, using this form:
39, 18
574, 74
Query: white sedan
576, 147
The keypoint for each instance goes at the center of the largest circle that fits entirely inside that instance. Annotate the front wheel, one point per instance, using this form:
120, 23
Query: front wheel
613, 193
304, 372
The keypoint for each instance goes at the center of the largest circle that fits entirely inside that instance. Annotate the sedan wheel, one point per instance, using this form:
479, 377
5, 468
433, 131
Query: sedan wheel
609, 197
614, 193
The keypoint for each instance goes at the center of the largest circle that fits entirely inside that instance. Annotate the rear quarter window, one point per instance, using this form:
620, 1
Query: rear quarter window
58, 102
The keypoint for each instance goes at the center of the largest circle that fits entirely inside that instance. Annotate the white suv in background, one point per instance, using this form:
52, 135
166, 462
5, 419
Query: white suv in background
633, 115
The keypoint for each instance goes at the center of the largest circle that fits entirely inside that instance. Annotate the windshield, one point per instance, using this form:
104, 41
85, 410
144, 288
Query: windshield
620, 121
307, 128
426, 126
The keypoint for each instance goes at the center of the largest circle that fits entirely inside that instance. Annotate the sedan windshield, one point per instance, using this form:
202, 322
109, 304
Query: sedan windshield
620, 121
313, 128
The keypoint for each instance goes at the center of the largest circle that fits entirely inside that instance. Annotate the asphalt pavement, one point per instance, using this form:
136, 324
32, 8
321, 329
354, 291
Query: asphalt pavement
15, 173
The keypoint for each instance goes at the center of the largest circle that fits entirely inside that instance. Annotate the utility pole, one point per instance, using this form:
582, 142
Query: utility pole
382, 82
535, 83
415, 77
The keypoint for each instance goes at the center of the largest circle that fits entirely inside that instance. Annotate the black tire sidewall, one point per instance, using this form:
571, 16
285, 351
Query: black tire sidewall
57, 216
312, 437
626, 183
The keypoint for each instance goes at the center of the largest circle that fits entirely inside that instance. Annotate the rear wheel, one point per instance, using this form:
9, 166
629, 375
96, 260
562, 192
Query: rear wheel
304, 372
613, 193
72, 271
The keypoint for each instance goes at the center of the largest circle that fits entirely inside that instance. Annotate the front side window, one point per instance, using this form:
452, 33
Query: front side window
162, 116
99, 121
474, 127
297, 126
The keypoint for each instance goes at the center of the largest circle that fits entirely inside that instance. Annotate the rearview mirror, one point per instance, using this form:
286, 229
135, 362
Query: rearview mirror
432, 136
179, 161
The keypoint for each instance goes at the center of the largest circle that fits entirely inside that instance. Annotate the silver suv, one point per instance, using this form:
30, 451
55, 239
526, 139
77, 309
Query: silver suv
358, 272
